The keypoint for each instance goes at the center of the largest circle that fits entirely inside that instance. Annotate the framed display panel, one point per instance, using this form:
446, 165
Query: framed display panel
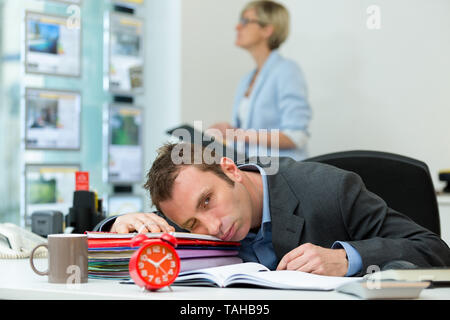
125, 63
124, 203
52, 119
78, 2
129, 2
125, 154
49, 187
52, 45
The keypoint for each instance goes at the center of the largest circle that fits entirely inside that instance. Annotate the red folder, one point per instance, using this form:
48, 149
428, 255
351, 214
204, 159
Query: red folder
110, 239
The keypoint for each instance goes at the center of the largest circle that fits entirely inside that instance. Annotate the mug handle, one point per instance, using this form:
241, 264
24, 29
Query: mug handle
41, 273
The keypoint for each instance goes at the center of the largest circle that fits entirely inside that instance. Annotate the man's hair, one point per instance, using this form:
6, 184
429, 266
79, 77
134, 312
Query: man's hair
168, 163
275, 14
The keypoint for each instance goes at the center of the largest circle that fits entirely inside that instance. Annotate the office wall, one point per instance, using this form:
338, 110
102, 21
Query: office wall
386, 89
162, 72
211, 65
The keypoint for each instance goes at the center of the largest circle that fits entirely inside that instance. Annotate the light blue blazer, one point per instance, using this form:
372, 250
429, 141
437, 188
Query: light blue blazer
278, 100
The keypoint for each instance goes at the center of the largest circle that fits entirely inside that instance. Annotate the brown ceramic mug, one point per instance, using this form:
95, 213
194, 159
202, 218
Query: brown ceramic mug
67, 258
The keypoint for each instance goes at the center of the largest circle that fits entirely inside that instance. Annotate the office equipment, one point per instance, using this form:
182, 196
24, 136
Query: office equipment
52, 46
444, 175
125, 46
48, 187
85, 212
125, 153
404, 183
124, 203
255, 274
436, 276
383, 289
47, 222
81, 181
16, 242
156, 263
53, 119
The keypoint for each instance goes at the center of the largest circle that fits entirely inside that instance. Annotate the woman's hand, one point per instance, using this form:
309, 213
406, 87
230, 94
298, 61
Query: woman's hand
220, 127
141, 222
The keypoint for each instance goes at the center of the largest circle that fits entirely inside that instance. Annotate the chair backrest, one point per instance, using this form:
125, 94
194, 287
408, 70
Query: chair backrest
404, 183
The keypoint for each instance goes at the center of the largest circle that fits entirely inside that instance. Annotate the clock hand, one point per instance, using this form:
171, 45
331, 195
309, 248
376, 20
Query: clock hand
162, 270
155, 264
163, 259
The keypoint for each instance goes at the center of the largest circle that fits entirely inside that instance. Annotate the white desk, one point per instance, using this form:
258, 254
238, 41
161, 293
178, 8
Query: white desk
18, 281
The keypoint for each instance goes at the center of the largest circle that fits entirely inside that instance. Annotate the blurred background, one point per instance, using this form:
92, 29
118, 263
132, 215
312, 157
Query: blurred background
376, 86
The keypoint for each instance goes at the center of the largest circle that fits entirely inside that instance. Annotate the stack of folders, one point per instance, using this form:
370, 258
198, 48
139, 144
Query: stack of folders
109, 253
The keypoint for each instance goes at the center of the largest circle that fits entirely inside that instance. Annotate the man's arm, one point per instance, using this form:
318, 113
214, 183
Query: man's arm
381, 234
376, 232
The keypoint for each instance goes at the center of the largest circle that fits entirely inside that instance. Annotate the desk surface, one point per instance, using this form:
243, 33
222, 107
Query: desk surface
443, 199
18, 281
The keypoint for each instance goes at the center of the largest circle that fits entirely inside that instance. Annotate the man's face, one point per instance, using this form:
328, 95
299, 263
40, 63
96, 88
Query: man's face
204, 203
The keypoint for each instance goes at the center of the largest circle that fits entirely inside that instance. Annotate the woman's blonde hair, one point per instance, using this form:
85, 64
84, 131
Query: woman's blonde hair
272, 13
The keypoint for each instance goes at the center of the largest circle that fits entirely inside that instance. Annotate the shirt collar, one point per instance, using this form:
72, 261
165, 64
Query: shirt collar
265, 211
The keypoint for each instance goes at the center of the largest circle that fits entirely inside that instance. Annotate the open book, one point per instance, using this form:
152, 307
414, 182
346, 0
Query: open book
255, 274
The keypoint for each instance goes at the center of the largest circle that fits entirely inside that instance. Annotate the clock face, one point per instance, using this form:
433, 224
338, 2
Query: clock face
157, 264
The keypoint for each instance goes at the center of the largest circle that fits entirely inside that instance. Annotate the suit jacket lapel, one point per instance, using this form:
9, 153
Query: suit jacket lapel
287, 221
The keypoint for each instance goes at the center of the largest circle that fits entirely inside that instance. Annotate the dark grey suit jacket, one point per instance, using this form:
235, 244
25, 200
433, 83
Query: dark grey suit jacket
321, 204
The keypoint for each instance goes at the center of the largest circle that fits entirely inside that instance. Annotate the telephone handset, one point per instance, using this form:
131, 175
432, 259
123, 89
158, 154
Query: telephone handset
17, 243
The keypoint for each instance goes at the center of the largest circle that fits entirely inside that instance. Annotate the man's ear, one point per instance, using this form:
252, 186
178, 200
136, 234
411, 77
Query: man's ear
230, 169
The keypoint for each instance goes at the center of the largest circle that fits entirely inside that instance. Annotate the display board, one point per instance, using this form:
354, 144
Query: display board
78, 2
52, 119
52, 45
49, 187
126, 54
129, 2
126, 203
125, 154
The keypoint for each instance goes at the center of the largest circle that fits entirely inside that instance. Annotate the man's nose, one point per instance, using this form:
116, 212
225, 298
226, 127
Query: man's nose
212, 224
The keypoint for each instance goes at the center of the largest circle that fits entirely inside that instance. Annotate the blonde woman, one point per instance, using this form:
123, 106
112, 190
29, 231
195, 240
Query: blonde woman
274, 94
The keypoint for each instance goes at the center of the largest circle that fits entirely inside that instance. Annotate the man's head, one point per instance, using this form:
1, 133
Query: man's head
201, 192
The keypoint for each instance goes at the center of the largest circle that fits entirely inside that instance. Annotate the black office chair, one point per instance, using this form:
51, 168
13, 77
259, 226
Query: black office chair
404, 183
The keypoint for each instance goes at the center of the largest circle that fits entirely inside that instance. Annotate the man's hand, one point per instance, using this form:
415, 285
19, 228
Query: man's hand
315, 259
141, 222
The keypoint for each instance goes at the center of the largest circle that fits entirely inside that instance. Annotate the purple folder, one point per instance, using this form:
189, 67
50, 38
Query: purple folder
193, 253
200, 263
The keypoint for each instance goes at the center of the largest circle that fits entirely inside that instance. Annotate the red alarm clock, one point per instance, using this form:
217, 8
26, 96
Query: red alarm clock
156, 263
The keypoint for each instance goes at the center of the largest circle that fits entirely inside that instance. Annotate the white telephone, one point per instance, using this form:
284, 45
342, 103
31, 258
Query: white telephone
17, 243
